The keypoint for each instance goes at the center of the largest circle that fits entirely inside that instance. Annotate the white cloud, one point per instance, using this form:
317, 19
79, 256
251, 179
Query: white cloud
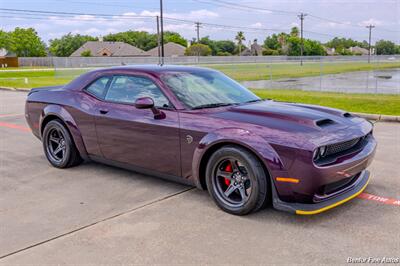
371, 21
256, 25
192, 15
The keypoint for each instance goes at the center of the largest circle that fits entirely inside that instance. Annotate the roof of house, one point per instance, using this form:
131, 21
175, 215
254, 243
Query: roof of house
329, 51
98, 48
357, 49
6, 53
170, 49
256, 49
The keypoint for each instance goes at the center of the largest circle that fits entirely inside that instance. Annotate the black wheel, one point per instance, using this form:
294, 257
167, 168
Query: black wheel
236, 180
58, 145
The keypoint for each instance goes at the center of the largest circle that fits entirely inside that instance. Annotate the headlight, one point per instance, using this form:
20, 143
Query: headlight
322, 151
319, 152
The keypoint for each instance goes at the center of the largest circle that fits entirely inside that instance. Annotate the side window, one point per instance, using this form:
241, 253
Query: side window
126, 89
98, 87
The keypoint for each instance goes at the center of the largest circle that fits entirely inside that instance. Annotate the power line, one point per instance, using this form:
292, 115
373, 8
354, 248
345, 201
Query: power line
25, 13
244, 7
284, 12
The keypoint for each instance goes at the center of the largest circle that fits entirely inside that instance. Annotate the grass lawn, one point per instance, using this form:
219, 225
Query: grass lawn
240, 72
362, 103
243, 72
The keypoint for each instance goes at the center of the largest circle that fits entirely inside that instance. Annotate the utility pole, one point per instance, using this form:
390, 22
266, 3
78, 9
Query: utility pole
301, 16
198, 31
162, 32
158, 40
370, 27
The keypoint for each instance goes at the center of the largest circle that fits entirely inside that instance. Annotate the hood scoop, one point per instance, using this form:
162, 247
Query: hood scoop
324, 122
347, 115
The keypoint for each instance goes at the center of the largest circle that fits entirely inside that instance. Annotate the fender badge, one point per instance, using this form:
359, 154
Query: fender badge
189, 139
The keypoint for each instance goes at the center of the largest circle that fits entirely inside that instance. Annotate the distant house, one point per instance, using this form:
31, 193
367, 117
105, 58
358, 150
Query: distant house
358, 50
329, 51
8, 59
171, 49
100, 48
256, 49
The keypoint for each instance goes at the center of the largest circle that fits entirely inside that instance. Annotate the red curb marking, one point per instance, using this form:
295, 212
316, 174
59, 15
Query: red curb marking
8, 115
14, 126
383, 200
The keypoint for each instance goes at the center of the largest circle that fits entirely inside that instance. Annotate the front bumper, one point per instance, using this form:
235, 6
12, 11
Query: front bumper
313, 208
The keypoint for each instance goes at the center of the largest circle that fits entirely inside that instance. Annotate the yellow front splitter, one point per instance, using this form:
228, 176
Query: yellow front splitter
333, 205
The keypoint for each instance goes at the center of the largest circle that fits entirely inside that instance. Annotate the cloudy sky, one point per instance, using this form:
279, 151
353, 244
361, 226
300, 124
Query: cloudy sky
325, 19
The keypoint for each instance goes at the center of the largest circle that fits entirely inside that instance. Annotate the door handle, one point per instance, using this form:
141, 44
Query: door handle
103, 112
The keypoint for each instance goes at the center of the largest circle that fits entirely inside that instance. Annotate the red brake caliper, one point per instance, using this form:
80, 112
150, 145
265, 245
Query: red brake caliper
228, 168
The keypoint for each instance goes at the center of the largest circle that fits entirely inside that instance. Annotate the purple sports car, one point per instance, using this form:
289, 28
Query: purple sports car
199, 127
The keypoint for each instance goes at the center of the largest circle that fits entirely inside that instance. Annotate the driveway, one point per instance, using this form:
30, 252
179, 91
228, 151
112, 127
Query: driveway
103, 215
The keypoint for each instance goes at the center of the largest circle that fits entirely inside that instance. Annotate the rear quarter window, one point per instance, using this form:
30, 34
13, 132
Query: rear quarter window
98, 87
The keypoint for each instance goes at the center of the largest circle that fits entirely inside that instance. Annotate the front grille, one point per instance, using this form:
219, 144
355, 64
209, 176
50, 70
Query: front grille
339, 147
333, 151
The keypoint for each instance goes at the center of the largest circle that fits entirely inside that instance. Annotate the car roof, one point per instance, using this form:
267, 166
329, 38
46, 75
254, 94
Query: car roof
157, 68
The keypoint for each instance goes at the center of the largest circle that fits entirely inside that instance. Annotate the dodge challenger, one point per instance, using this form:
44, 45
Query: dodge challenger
199, 127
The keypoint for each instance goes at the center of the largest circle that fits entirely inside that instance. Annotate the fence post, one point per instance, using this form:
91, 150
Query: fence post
320, 73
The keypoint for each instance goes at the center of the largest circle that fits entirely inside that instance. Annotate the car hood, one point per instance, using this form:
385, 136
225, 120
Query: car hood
313, 124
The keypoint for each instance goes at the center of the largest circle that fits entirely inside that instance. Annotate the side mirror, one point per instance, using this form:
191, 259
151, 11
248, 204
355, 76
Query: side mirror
148, 103
144, 103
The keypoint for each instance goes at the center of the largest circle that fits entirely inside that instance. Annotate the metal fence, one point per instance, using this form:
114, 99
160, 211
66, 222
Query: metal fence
81, 62
318, 73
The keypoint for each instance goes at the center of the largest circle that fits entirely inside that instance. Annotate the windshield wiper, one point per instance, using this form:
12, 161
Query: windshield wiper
253, 101
211, 105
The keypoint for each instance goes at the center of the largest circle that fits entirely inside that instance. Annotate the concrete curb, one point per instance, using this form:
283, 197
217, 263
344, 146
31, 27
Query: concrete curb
376, 117
14, 89
384, 118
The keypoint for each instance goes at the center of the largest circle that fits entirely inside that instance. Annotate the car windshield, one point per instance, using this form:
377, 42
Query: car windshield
207, 89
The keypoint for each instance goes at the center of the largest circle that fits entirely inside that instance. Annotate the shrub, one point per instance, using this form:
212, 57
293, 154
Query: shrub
86, 53
198, 49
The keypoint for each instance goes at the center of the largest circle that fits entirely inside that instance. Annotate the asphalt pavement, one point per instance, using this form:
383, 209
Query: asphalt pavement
96, 214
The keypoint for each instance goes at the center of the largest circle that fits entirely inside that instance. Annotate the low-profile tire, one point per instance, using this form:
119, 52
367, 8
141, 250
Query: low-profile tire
59, 146
236, 180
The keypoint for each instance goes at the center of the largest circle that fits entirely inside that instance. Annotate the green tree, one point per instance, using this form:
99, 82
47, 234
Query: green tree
68, 44
345, 43
198, 49
385, 47
294, 44
4, 39
139, 39
26, 42
170, 36
224, 47
271, 42
210, 43
240, 38
86, 53
312, 47
294, 32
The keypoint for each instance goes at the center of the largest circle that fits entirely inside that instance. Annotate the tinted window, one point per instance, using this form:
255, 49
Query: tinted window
98, 87
126, 89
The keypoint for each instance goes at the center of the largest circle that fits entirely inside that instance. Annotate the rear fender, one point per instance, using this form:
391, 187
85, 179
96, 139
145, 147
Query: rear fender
259, 146
65, 116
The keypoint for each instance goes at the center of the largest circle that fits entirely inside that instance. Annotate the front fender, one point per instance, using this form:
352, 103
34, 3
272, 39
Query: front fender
65, 116
259, 146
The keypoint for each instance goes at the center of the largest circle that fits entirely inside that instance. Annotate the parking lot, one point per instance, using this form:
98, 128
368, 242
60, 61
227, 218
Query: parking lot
103, 215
